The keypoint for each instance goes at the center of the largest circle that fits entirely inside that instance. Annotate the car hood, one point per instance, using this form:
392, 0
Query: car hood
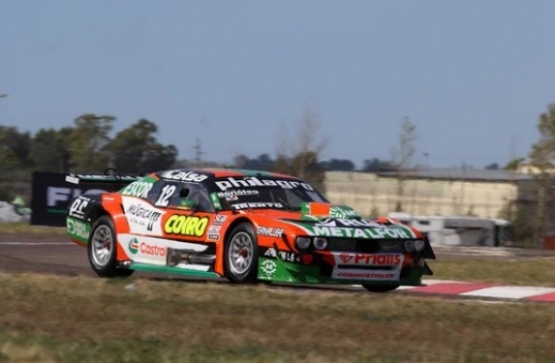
328, 220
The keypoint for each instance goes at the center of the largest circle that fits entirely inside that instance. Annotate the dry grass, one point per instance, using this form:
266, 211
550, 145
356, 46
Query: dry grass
61, 319
528, 271
20, 227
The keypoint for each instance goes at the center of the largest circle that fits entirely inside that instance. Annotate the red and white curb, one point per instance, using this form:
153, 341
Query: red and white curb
483, 290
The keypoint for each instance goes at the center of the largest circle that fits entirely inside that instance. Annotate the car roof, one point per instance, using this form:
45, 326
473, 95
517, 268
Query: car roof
224, 172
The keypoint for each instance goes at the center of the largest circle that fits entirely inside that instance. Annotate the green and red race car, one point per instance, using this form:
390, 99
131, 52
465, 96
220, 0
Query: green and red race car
242, 225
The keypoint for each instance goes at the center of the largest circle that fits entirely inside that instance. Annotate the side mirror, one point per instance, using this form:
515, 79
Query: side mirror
216, 201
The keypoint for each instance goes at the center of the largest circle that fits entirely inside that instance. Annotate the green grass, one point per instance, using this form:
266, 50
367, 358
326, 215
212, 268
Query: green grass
63, 319
21, 227
538, 271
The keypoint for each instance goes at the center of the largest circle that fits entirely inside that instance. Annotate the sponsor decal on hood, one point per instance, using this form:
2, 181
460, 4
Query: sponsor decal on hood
354, 228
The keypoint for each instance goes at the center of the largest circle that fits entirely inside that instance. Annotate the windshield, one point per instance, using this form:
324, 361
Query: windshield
255, 193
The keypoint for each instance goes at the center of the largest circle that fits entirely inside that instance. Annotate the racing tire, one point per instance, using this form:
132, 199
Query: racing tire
123, 272
241, 254
380, 288
101, 249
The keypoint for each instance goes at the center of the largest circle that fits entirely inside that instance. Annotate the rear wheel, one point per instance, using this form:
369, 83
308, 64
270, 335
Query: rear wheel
101, 249
241, 254
380, 288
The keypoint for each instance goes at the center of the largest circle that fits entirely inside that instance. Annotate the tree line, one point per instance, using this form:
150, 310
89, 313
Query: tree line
88, 145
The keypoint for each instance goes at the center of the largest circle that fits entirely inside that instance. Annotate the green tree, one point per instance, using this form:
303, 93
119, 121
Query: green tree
338, 165
492, 166
18, 142
542, 156
14, 155
136, 150
262, 162
377, 165
513, 164
8, 163
522, 226
64, 139
88, 142
49, 150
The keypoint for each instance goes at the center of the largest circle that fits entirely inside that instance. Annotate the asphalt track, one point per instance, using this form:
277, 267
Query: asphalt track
54, 254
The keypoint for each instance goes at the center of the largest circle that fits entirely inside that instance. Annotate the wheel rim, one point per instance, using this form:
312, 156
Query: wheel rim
241, 250
102, 245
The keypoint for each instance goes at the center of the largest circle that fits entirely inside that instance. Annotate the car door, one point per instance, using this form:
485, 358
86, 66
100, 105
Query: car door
189, 211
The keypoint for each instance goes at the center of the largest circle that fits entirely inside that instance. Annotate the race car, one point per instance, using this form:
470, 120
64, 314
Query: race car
242, 225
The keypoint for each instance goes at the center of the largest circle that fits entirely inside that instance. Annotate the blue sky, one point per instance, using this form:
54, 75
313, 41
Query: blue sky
473, 75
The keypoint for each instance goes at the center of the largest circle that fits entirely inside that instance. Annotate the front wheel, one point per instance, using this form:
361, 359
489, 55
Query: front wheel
101, 249
241, 254
380, 288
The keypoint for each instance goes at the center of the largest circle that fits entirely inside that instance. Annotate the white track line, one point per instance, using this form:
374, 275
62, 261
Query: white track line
509, 292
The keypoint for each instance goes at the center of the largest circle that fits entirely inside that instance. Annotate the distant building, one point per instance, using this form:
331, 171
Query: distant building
466, 174
483, 193
441, 192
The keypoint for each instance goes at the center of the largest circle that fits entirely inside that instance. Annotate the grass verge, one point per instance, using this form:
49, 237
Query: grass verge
538, 271
62, 319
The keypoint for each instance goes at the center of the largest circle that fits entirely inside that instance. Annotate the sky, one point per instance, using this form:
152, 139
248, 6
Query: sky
473, 76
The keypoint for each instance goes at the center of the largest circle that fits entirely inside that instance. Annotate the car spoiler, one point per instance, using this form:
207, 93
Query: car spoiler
114, 181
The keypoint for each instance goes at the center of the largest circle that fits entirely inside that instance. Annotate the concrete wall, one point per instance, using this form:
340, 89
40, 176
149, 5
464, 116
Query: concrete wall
371, 194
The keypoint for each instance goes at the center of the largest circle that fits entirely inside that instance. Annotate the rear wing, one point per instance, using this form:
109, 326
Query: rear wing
111, 182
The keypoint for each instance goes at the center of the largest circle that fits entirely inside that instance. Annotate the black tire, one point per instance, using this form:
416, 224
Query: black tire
380, 288
241, 240
124, 272
104, 262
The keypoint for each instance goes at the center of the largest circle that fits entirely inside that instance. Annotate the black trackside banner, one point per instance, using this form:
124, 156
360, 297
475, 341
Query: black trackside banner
51, 195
